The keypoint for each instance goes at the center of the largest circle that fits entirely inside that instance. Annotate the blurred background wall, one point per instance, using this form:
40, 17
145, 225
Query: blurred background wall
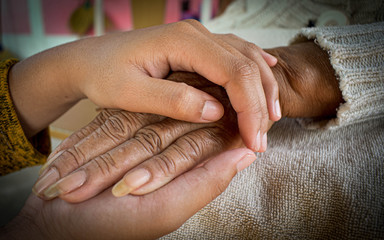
30, 26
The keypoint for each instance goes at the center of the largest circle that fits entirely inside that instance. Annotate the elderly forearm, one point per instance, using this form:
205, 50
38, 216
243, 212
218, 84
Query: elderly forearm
307, 82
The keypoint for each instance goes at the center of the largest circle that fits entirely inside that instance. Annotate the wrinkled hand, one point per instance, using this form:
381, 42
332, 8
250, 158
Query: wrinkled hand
308, 88
132, 217
307, 81
119, 70
150, 150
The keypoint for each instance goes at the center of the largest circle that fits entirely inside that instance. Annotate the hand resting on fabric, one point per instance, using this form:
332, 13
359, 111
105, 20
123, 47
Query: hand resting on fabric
132, 217
100, 154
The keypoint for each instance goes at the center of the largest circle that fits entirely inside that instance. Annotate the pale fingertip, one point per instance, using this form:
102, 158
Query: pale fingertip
212, 111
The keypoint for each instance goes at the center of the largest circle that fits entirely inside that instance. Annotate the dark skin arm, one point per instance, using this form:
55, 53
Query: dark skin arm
307, 81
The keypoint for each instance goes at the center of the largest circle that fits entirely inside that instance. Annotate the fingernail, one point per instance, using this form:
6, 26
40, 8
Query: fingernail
245, 161
131, 182
277, 108
66, 185
47, 179
264, 143
50, 160
211, 111
256, 145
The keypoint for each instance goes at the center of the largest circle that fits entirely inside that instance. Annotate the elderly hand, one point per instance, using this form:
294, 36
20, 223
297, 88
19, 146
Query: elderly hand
132, 217
126, 70
149, 149
310, 93
307, 81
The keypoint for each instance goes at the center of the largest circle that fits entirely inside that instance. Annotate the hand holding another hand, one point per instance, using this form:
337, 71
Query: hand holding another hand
131, 217
308, 88
119, 70
149, 150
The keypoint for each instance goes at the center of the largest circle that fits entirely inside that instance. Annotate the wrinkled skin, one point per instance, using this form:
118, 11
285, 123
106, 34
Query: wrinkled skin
120, 69
308, 87
166, 148
307, 81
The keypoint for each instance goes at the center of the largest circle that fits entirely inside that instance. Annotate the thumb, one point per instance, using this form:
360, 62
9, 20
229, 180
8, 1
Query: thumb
198, 187
173, 99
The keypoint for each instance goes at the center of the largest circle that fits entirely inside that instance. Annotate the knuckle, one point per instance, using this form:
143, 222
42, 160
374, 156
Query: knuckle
104, 115
186, 26
245, 70
83, 132
212, 140
117, 127
230, 35
192, 144
106, 164
248, 46
70, 159
149, 139
165, 165
192, 22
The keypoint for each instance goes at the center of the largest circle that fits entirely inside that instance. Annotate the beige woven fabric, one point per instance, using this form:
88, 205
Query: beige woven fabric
294, 13
308, 185
315, 183
357, 55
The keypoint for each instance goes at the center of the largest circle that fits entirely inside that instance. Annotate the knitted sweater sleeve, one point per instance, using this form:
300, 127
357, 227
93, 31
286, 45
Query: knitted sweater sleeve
16, 151
356, 53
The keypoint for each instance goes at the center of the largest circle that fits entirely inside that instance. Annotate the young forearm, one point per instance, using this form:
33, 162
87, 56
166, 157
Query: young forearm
42, 89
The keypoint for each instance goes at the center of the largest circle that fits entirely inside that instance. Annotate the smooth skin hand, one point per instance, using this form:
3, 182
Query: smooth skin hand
120, 70
131, 217
150, 151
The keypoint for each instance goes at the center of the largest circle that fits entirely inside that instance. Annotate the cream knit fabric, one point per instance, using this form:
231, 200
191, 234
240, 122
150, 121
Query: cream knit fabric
294, 13
308, 185
321, 183
357, 55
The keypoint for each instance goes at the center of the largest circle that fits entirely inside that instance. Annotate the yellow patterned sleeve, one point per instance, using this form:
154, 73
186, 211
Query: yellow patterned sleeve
16, 151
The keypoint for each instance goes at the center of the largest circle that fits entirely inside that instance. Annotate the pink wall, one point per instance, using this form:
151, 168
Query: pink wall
56, 14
